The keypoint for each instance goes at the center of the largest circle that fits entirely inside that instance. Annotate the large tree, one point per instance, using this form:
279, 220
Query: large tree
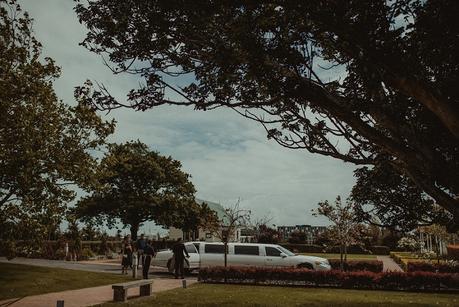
346, 79
45, 144
385, 198
135, 185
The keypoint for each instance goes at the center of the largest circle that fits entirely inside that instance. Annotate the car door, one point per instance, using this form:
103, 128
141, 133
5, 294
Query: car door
245, 255
194, 256
274, 257
212, 254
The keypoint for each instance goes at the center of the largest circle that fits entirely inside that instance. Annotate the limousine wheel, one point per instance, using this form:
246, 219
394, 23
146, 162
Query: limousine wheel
306, 266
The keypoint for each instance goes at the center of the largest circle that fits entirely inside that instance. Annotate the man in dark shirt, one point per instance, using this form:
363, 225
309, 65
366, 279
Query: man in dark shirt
148, 253
179, 257
140, 244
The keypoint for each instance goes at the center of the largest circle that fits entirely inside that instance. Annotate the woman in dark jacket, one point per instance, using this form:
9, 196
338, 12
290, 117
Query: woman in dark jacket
127, 255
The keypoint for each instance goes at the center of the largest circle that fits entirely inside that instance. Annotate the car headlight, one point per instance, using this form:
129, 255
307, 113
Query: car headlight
325, 263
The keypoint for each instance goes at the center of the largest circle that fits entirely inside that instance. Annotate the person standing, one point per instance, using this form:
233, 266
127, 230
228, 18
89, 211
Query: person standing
179, 251
148, 253
126, 251
140, 245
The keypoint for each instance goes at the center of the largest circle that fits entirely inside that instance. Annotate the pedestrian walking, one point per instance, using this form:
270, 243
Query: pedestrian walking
149, 252
179, 251
140, 245
126, 251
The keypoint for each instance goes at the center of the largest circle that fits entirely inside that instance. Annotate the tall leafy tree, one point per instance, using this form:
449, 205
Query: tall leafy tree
45, 144
383, 197
346, 79
135, 185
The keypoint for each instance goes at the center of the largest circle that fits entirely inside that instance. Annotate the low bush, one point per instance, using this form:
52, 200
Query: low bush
418, 281
380, 250
303, 248
86, 254
422, 266
358, 265
353, 249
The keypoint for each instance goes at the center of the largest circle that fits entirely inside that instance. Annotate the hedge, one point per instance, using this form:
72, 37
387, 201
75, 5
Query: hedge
303, 248
421, 266
380, 250
353, 249
358, 265
419, 281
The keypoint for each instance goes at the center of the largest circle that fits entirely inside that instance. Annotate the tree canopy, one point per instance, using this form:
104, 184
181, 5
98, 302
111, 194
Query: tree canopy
135, 185
383, 197
346, 79
45, 144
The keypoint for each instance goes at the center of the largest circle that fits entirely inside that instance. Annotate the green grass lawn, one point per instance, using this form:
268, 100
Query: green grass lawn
235, 295
336, 256
23, 280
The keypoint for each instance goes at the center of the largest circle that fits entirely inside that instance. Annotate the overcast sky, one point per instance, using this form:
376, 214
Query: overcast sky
229, 157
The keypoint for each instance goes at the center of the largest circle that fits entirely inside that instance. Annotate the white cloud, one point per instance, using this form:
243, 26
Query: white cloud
228, 156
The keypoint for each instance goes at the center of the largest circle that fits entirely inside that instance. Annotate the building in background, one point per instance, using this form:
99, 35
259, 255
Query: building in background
311, 232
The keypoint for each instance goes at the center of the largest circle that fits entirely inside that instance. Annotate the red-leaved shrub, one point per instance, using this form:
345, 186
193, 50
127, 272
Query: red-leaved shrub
357, 280
422, 266
453, 251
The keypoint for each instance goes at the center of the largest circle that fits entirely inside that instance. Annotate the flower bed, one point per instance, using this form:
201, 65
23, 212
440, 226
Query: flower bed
412, 263
418, 281
375, 266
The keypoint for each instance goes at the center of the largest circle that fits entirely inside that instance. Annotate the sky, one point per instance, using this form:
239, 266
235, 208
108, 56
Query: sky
229, 157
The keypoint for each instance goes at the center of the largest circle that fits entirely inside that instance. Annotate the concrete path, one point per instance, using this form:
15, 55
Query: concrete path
88, 296
389, 264
110, 266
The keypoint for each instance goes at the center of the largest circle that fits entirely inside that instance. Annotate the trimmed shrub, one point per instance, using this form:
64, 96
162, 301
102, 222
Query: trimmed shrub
422, 266
303, 248
427, 281
380, 250
353, 249
375, 266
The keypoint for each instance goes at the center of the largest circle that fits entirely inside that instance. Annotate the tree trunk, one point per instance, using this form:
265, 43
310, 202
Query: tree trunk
437, 105
345, 253
134, 229
341, 264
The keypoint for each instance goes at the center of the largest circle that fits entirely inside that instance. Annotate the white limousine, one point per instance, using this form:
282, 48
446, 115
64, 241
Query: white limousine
206, 254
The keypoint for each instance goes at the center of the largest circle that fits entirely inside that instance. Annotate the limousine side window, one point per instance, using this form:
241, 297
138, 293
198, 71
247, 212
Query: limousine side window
272, 252
246, 250
190, 249
197, 246
214, 249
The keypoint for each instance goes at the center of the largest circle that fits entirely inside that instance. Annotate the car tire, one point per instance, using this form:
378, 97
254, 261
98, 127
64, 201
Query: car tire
305, 266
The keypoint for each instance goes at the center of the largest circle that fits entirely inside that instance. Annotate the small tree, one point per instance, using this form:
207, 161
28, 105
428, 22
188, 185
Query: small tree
345, 228
233, 218
267, 234
297, 237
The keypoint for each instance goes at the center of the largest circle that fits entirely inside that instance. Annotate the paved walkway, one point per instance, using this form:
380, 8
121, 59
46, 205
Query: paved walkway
88, 296
389, 264
110, 266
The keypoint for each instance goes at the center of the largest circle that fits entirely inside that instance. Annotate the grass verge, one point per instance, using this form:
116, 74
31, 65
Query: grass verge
237, 295
17, 280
